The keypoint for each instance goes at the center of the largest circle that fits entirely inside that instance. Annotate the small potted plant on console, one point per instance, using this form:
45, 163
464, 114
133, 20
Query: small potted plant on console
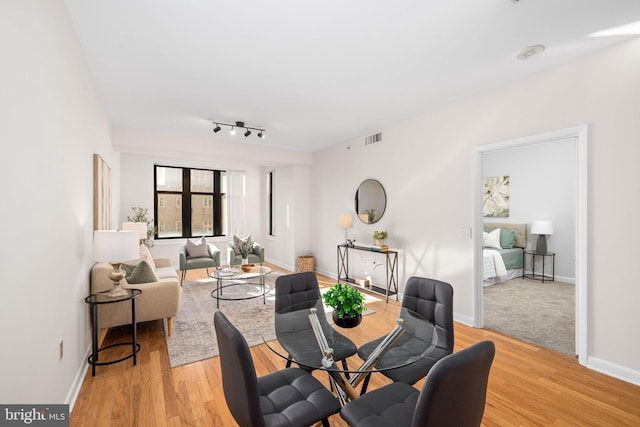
347, 304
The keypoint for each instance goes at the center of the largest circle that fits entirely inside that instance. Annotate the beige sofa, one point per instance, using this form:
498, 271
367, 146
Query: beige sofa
159, 299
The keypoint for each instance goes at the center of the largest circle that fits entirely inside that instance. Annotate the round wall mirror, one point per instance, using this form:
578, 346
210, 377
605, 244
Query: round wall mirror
371, 201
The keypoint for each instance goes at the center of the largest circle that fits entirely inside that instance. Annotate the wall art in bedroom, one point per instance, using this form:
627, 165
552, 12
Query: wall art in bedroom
495, 198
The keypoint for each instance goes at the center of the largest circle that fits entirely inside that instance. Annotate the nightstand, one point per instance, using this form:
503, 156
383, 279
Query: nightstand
541, 277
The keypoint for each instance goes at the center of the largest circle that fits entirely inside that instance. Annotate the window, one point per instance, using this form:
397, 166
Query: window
271, 225
189, 202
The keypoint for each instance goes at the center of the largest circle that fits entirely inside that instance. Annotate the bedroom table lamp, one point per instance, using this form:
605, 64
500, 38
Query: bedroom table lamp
115, 247
542, 228
346, 222
140, 227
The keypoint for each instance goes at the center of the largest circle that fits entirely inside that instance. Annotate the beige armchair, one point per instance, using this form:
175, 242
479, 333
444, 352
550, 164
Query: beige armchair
159, 300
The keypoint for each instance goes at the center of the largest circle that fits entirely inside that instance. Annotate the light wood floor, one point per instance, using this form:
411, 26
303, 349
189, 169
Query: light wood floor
528, 385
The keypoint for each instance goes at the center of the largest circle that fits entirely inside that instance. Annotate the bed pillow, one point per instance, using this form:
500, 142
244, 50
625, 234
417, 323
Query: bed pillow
492, 239
197, 249
507, 239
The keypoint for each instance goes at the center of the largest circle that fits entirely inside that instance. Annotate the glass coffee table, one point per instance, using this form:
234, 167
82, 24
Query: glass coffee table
253, 279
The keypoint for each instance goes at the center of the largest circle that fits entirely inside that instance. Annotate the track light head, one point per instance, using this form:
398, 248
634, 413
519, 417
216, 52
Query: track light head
232, 131
217, 128
261, 134
247, 133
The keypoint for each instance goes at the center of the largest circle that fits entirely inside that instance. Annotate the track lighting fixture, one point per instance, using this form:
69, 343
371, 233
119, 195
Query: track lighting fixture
241, 125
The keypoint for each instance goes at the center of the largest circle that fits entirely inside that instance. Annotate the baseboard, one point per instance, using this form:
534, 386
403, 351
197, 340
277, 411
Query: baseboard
464, 319
613, 370
279, 264
563, 279
76, 385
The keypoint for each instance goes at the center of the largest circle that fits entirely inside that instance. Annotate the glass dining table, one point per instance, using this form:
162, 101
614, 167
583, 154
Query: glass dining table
304, 338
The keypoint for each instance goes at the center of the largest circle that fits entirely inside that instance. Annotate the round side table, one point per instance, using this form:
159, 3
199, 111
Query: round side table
94, 300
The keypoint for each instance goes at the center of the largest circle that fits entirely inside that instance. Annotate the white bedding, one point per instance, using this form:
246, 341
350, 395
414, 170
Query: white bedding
493, 264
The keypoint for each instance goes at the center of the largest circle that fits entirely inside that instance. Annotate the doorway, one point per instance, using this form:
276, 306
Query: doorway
579, 137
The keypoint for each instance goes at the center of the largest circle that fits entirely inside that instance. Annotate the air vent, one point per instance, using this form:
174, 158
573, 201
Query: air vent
372, 139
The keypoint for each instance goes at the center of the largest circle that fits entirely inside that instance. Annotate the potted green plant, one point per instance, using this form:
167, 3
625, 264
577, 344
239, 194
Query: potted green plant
379, 237
347, 304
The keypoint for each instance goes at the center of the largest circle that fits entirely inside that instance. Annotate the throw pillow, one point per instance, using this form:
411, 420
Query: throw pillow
507, 238
197, 249
238, 241
492, 239
141, 273
144, 252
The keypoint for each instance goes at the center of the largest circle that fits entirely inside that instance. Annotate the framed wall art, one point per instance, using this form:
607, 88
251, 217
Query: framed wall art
495, 198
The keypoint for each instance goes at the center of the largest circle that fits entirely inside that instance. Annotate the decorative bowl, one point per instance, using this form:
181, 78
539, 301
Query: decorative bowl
247, 267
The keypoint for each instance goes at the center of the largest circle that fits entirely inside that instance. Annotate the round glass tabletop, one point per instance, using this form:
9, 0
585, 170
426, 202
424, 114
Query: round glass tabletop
305, 336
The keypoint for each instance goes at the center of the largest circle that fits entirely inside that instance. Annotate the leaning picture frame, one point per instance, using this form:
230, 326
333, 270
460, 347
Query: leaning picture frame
101, 194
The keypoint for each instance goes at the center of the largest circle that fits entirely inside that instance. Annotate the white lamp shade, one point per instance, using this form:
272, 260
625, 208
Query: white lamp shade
115, 246
542, 227
346, 221
140, 227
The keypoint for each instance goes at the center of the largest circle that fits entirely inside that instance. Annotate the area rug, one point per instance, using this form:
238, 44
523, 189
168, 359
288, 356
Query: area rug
540, 313
194, 337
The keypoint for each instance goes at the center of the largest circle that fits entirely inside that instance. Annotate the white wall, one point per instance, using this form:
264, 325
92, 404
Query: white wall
426, 166
51, 123
543, 185
141, 149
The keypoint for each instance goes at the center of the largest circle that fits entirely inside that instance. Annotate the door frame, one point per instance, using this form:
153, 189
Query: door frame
580, 136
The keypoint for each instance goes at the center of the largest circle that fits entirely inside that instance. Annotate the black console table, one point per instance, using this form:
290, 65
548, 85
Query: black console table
391, 268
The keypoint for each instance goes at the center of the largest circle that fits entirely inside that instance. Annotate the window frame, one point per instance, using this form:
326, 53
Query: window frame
186, 194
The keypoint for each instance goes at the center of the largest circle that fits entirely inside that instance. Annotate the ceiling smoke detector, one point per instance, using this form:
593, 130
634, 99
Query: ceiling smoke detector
530, 51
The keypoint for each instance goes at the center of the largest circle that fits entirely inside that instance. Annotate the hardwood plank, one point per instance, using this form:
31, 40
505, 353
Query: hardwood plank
528, 385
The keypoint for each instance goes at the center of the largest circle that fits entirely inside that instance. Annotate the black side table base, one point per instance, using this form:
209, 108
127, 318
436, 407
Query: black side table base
90, 359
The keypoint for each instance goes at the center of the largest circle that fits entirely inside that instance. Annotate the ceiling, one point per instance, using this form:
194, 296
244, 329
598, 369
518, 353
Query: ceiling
315, 73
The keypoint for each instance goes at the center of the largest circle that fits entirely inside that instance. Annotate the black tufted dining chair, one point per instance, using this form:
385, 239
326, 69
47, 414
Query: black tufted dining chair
433, 300
453, 394
290, 397
295, 294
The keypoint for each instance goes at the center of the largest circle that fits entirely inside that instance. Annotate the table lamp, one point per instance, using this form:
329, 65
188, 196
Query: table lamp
542, 228
115, 247
140, 227
346, 221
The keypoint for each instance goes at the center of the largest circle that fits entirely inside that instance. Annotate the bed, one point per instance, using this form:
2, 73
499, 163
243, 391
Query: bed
504, 263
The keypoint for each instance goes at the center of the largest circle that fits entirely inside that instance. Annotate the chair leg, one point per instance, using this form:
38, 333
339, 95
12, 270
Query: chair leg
325, 422
344, 366
184, 273
289, 361
363, 390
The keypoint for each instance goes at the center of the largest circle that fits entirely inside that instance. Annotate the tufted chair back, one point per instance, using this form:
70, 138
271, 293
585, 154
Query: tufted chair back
433, 300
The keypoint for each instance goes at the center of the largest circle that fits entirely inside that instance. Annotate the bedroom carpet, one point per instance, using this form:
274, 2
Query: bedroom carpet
194, 337
540, 313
